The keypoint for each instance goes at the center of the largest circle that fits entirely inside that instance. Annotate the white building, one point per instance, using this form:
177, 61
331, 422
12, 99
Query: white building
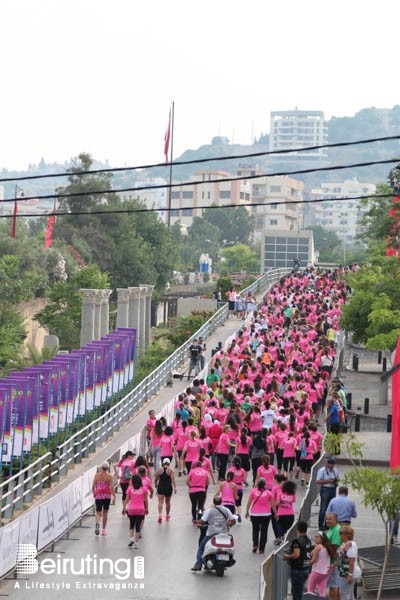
340, 213
292, 129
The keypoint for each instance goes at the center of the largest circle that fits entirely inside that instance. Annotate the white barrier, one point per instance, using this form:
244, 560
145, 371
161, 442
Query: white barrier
9, 535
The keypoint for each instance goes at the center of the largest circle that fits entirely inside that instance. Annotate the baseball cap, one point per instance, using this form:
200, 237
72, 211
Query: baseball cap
166, 461
331, 461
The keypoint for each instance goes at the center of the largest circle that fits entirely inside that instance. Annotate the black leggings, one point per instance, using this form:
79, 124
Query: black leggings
198, 500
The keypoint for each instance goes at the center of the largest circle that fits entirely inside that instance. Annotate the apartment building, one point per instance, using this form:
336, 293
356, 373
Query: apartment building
207, 187
293, 129
339, 212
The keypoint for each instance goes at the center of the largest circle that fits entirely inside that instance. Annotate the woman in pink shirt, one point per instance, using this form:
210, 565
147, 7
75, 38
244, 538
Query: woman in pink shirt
285, 499
223, 450
266, 471
136, 507
259, 508
243, 442
191, 450
289, 454
167, 443
229, 492
197, 482
181, 437
240, 479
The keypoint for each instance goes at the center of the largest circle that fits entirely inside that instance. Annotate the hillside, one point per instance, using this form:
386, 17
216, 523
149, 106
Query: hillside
365, 124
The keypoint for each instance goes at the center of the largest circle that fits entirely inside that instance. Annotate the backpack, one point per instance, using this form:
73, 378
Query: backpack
303, 449
126, 473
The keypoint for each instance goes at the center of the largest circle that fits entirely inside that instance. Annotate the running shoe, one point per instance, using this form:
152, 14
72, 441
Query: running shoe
131, 544
159, 520
97, 529
103, 532
168, 518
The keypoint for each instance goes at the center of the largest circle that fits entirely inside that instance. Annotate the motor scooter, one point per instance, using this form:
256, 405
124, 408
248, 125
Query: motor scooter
218, 553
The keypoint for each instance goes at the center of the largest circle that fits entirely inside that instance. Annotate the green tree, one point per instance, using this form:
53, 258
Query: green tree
122, 238
376, 222
235, 224
237, 258
372, 314
62, 315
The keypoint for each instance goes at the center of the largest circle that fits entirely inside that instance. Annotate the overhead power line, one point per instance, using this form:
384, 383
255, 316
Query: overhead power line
192, 183
198, 207
202, 160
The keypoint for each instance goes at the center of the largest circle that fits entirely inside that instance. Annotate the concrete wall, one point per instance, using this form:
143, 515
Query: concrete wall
187, 305
35, 333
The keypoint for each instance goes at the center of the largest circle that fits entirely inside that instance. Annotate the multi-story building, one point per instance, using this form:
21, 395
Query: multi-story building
292, 129
339, 212
208, 187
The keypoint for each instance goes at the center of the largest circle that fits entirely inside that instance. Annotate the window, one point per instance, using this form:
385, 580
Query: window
224, 194
275, 189
273, 221
175, 212
208, 195
175, 195
187, 212
187, 195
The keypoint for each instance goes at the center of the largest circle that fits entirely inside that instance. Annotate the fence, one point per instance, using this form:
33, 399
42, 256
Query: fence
38, 526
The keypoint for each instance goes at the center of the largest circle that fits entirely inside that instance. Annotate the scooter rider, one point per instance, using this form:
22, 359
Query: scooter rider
219, 519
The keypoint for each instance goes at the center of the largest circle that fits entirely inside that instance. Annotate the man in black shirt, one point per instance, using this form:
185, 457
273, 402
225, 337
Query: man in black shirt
195, 351
299, 560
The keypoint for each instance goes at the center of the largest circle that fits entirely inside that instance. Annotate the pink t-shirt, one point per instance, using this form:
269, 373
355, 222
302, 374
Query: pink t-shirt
136, 500
128, 462
261, 502
192, 450
224, 444
268, 475
239, 475
181, 437
167, 443
285, 503
198, 479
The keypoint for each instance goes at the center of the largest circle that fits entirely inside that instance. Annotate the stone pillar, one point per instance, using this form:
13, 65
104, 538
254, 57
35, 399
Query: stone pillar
97, 314
142, 319
122, 308
105, 313
134, 309
87, 321
147, 333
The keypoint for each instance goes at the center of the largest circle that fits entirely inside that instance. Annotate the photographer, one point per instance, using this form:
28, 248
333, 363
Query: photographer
327, 478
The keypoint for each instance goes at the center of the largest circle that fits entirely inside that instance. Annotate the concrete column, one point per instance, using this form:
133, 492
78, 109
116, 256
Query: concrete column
105, 313
142, 319
87, 322
147, 333
134, 302
122, 308
97, 314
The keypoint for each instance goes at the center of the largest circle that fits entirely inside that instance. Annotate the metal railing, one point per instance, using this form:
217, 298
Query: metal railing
18, 491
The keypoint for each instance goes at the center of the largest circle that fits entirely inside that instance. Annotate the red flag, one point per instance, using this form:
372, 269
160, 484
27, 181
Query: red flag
167, 138
14, 220
395, 447
48, 239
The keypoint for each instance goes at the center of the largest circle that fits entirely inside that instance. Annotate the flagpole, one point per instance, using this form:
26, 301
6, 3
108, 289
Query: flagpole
170, 165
